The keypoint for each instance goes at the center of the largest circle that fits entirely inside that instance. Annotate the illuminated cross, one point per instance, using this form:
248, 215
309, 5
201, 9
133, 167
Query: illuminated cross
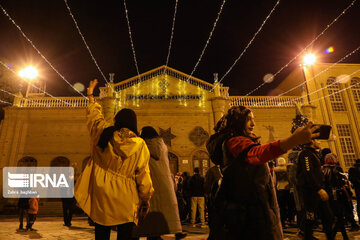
163, 85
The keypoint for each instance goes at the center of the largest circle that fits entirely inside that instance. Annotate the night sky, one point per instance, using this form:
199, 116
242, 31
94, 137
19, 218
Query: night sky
292, 26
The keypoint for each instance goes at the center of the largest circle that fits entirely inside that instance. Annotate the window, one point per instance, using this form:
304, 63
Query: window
335, 97
355, 89
347, 146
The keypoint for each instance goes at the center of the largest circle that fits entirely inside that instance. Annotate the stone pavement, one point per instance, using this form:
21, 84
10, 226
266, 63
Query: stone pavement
52, 228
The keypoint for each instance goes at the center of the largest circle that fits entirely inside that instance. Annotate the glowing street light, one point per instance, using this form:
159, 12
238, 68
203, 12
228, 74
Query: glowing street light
28, 73
309, 59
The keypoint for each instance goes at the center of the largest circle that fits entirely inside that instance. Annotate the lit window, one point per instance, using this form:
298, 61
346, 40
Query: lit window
346, 144
336, 98
355, 89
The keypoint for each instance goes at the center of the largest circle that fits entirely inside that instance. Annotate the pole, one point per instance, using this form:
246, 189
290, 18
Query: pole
306, 86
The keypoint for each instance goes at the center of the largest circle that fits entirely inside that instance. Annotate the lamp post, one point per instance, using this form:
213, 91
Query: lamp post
309, 59
28, 74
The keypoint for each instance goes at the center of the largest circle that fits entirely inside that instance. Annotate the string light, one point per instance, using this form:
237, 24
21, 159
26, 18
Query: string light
86, 45
37, 50
311, 93
313, 78
248, 45
208, 40
171, 36
131, 41
293, 59
8, 92
339, 91
34, 86
2, 101
30, 100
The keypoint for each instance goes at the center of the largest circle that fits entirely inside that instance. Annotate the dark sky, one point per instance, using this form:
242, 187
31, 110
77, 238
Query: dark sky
293, 25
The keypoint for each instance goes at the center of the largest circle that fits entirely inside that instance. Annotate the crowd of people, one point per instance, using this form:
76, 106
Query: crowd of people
250, 193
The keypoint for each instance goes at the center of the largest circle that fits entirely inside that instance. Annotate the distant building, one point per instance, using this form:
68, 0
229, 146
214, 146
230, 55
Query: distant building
334, 93
43, 131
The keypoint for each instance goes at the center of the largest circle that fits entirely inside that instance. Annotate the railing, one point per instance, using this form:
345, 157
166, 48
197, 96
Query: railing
264, 101
224, 92
160, 71
47, 102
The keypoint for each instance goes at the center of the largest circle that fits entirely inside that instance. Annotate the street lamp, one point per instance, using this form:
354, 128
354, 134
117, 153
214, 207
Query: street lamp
29, 74
308, 60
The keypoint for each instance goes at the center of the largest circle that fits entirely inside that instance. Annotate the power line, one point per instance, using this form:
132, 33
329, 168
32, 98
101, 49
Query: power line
207, 41
33, 85
314, 77
37, 50
131, 41
171, 36
251, 41
322, 33
86, 45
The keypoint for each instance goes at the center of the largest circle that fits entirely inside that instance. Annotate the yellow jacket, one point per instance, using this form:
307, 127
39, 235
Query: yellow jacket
114, 181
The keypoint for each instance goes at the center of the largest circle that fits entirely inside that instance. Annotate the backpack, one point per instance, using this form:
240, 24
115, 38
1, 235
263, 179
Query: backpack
214, 146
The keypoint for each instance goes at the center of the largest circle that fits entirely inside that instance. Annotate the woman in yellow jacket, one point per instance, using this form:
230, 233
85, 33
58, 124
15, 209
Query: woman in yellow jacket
116, 181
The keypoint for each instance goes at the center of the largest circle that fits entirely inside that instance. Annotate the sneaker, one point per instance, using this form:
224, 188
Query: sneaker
203, 225
180, 235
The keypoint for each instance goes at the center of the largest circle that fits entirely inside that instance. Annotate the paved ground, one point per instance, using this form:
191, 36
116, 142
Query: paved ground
52, 228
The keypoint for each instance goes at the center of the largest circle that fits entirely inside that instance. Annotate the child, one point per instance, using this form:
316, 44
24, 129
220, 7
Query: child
32, 212
23, 205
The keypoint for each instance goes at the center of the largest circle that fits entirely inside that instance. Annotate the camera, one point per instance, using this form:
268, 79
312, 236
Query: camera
324, 131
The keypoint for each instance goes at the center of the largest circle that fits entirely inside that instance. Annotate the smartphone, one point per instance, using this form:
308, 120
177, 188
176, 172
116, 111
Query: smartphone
324, 131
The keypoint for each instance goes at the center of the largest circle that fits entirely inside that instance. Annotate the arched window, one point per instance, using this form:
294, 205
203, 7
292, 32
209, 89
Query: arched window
60, 162
27, 162
335, 97
201, 160
355, 89
173, 163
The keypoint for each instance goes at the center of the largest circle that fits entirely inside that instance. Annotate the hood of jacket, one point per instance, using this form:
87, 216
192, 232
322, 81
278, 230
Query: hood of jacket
125, 143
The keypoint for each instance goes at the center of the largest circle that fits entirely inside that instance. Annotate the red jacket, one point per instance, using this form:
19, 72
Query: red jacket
257, 155
34, 205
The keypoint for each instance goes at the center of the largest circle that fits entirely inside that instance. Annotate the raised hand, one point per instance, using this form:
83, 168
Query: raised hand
301, 135
92, 85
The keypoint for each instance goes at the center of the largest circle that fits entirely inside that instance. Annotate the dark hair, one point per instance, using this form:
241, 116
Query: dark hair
196, 170
325, 151
148, 132
125, 118
234, 122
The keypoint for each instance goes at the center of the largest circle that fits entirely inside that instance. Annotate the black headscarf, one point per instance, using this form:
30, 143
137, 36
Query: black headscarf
148, 132
125, 118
